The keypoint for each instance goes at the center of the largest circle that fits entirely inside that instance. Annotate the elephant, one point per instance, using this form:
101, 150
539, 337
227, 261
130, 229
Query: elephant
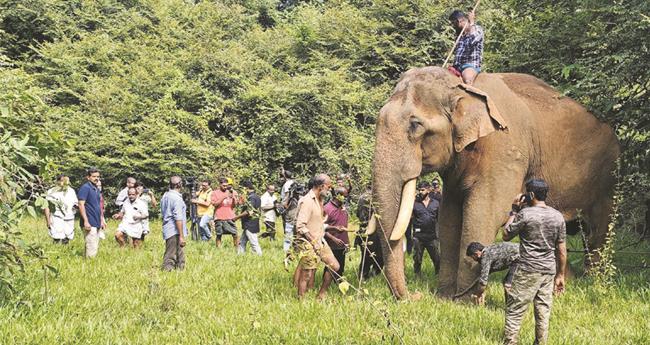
485, 141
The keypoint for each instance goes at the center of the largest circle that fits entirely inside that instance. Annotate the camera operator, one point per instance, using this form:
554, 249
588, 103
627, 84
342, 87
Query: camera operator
542, 260
425, 216
224, 200
204, 209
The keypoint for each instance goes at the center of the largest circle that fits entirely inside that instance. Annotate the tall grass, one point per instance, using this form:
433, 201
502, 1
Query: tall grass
122, 297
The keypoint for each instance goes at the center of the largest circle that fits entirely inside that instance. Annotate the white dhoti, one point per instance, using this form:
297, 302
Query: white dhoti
61, 228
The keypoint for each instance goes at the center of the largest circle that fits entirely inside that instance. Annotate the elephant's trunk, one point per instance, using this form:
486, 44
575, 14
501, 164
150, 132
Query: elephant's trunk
394, 204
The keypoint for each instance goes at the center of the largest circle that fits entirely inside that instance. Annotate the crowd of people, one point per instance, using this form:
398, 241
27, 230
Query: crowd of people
315, 220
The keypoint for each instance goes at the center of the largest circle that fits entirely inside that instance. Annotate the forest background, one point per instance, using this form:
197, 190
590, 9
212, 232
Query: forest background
241, 88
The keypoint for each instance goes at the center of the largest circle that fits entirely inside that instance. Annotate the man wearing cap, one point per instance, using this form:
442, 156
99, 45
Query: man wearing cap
425, 237
224, 201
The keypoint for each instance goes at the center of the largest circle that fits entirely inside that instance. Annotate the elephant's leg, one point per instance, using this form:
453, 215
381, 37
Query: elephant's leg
598, 221
449, 226
485, 210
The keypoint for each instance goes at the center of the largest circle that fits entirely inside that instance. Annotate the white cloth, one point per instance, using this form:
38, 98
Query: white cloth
145, 222
268, 200
129, 225
61, 228
285, 188
122, 197
65, 201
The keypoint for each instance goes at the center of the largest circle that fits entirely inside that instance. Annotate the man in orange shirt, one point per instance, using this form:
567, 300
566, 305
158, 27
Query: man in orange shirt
224, 201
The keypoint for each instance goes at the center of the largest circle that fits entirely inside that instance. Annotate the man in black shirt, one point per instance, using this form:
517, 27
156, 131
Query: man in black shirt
250, 220
424, 219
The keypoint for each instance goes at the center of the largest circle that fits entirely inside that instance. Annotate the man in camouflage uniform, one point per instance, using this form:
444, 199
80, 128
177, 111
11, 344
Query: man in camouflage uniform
494, 258
542, 234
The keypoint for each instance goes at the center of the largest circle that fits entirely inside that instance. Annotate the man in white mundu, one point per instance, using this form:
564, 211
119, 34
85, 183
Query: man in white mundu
60, 223
133, 213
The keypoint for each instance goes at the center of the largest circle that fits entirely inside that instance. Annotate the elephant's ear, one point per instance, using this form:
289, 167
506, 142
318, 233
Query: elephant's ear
474, 116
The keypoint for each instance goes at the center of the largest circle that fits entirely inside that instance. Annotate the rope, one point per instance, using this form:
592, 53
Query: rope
459, 36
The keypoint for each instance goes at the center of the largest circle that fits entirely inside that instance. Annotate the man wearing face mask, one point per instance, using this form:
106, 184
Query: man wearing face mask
425, 217
61, 222
310, 244
336, 232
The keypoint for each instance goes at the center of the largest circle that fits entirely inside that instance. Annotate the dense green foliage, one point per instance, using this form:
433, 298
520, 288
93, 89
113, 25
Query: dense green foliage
242, 87
27, 152
122, 297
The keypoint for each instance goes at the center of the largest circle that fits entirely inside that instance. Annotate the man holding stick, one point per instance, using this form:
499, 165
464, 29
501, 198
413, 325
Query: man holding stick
310, 244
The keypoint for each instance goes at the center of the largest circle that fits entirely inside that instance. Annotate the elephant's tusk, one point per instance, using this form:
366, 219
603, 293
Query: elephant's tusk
405, 210
372, 225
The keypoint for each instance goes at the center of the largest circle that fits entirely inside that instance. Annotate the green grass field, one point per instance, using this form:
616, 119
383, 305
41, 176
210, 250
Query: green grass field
122, 297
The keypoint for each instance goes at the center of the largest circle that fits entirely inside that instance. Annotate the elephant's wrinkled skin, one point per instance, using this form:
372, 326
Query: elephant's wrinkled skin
431, 124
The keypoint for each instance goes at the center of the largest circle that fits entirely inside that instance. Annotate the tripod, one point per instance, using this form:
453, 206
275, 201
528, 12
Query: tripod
194, 229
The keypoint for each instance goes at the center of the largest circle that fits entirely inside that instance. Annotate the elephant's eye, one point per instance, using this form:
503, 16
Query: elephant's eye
416, 128
414, 124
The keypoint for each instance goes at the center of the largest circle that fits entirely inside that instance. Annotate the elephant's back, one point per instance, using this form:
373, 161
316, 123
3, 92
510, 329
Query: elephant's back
558, 115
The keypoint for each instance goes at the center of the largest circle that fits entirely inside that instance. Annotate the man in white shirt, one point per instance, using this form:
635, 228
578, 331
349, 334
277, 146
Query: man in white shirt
61, 223
122, 195
133, 213
268, 208
287, 184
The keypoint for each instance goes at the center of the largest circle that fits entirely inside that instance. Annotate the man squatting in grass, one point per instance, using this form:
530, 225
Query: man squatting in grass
60, 224
250, 221
336, 227
174, 227
224, 200
542, 234
493, 258
268, 205
92, 220
469, 51
204, 209
310, 245
133, 213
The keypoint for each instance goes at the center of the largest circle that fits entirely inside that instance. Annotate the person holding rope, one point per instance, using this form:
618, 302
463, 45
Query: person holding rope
469, 49
310, 243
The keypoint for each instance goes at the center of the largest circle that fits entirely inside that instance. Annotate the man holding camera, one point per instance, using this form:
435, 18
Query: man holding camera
542, 262
224, 201
174, 225
425, 237
204, 209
